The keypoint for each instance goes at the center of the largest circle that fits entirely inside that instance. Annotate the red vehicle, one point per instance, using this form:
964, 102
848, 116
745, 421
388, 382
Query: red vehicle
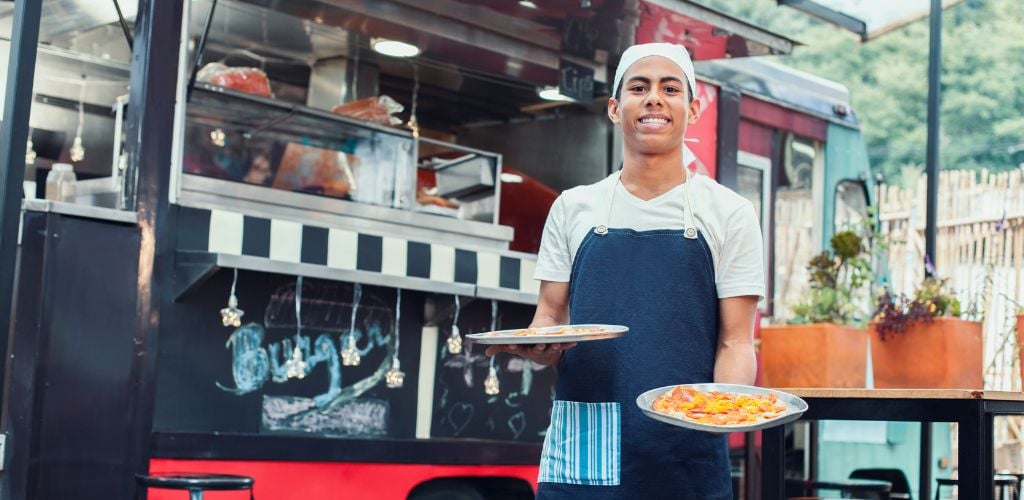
280, 292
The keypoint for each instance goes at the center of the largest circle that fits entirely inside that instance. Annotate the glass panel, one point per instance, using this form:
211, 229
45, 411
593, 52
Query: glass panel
82, 68
794, 224
851, 205
750, 185
456, 181
250, 139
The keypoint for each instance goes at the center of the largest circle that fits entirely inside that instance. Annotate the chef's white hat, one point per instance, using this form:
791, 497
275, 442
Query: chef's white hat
670, 51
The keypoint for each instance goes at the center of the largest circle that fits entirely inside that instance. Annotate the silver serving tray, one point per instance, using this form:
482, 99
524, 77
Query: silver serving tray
506, 337
795, 407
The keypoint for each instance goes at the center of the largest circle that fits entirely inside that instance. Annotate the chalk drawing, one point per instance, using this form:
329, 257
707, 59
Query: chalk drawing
251, 366
465, 361
460, 415
366, 417
517, 424
526, 368
326, 309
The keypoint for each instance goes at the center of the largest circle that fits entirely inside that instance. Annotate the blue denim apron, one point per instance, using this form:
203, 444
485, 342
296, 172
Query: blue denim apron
661, 284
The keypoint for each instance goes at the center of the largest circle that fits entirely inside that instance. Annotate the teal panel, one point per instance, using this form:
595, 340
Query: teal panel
846, 158
901, 450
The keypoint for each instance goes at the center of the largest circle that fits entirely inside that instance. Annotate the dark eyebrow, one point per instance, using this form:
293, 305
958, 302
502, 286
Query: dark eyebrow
664, 79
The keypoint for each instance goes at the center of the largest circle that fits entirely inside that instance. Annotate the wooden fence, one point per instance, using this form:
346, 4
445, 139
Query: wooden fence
979, 247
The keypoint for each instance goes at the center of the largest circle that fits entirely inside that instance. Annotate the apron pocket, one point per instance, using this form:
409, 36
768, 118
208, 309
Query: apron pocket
583, 444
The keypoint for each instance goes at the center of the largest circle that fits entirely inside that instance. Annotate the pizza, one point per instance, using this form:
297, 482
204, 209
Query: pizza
563, 330
719, 408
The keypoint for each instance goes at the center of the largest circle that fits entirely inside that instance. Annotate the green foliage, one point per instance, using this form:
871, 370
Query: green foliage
836, 279
982, 43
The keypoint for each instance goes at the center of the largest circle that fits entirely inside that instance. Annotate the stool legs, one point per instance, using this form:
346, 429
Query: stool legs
195, 494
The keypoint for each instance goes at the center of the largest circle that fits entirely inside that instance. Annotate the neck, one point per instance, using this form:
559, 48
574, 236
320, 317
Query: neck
647, 176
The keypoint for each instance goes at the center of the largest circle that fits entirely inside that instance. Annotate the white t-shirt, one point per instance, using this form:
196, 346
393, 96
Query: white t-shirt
726, 219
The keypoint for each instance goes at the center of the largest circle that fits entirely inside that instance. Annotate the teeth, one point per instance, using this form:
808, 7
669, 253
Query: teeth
654, 120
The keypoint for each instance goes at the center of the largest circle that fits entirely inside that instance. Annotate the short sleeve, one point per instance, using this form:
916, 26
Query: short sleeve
740, 269
554, 261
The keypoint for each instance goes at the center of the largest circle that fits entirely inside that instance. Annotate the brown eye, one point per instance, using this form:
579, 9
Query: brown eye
637, 88
672, 90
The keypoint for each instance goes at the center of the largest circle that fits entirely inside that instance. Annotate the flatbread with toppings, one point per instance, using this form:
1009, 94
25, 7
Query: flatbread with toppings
719, 408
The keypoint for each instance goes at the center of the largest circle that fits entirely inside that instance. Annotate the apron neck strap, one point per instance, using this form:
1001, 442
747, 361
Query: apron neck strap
689, 231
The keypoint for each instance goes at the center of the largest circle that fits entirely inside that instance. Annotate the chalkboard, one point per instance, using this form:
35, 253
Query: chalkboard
522, 408
213, 378
575, 81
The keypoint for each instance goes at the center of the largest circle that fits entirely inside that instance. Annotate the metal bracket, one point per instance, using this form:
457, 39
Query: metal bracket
432, 315
199, 51
192, 269
124, 26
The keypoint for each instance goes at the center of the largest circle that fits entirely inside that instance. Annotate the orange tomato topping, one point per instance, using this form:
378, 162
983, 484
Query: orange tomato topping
719, 408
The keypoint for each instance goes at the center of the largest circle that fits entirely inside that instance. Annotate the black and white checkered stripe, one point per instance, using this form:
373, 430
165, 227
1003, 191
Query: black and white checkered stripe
233, 233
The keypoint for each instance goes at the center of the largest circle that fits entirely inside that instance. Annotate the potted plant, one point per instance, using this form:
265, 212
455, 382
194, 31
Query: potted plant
924, 341
824, 344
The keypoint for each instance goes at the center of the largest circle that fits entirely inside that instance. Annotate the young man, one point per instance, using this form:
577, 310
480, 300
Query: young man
675, 257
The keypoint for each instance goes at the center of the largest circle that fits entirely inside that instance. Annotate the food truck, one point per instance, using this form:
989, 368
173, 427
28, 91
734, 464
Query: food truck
283, 224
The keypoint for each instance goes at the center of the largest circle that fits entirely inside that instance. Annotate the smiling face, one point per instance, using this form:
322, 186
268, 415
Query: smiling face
653, 107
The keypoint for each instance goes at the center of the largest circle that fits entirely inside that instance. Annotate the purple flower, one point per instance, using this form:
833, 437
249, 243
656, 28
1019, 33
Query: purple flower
1001, 225
929, 266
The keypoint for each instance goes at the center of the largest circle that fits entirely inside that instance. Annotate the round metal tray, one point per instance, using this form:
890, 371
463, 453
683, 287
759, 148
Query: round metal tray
506, 337
795, 407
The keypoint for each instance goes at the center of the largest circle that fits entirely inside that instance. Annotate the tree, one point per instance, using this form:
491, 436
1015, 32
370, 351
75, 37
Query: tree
982, 113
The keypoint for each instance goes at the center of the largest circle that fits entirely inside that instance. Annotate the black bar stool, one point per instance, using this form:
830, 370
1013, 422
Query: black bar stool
871, 489
1006, 486
196, 483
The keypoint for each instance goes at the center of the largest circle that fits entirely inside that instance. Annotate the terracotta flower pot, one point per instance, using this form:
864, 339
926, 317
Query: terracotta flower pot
1020, 343
816, 355
945, 353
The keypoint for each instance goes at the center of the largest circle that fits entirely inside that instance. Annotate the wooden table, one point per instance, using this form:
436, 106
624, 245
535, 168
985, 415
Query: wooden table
971, 410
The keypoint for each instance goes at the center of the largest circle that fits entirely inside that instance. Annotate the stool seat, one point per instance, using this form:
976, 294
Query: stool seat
195, 481
851, 485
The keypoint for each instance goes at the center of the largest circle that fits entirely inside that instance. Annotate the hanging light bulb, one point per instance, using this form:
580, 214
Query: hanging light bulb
395, 377
350, 355
491, 385
413, 123
296, 365
30, 152
77, 151
232, 315
455, 340
218, 137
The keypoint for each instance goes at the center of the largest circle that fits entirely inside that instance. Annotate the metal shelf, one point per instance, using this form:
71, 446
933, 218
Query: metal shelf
193, 268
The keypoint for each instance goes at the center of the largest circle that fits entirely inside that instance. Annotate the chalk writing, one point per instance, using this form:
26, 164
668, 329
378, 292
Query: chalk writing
328, 316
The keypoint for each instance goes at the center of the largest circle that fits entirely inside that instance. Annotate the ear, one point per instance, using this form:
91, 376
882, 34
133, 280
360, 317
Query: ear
613, 110
694, 113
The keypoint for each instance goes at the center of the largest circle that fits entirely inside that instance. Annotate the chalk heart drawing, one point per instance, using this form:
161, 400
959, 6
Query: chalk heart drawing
460, 416
517, 424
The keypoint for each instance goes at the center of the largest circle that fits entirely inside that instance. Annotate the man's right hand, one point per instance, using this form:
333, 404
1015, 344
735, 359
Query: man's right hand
541, 354
552, 310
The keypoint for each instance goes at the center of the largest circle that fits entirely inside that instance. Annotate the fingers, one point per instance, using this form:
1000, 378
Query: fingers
495, 349
562, 347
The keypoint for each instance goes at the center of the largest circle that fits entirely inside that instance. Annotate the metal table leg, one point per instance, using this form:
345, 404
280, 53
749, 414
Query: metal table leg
975, 456
750, 466
925, 484
773, 462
